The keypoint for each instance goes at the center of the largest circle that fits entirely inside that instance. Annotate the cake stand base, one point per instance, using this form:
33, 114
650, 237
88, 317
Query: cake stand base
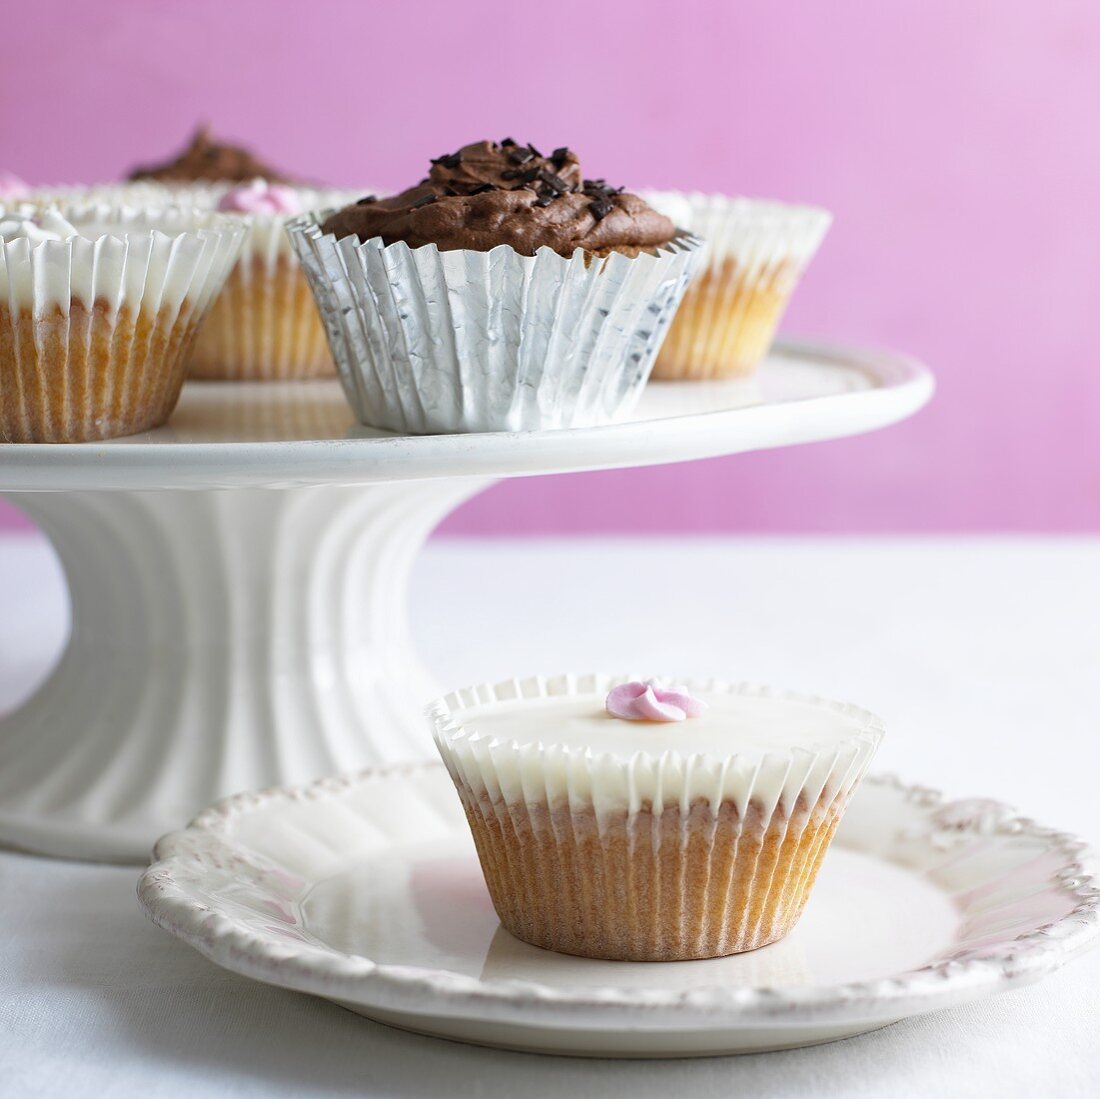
222, 640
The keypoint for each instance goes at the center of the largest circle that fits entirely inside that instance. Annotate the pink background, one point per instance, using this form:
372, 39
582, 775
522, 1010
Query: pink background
956, 141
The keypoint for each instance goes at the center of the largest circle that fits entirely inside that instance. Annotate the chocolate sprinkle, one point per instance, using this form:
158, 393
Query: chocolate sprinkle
506, 142
424, 200
554, 181
451, 160
520, 155
534, 151
601, 207
483, 188
598, 189
560, 156
524, 175
366, 200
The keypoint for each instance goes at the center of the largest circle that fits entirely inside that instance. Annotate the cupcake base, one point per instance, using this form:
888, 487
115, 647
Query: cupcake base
90, 373
649, 886
263, 326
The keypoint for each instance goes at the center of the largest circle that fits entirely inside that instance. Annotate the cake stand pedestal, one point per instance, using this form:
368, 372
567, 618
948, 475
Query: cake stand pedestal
238, 581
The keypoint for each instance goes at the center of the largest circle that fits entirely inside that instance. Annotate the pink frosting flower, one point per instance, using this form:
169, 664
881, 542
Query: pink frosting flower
11, 186
647, 702
260, 197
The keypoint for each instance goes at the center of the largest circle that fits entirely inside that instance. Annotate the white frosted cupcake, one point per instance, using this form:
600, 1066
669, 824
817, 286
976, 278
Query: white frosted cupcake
99, 306
264, 325
503, 292
755, 254
631, 820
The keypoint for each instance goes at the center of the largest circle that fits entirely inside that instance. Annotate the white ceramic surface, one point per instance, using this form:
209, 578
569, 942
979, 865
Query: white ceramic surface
220, 641
366, 890
287, 434
227, 636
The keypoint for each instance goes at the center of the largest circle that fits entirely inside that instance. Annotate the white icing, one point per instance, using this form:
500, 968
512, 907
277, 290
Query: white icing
115, 255
732, 724
265, 241
549, 739
26, 224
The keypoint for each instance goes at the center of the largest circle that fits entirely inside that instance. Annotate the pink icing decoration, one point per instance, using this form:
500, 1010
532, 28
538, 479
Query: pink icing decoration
260, 197
12, 186
647, 702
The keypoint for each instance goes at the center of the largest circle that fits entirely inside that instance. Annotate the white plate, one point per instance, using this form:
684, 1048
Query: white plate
226, 434
366, 890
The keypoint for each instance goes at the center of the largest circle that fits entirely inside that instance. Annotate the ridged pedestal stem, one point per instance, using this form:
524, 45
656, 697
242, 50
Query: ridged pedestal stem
221, 641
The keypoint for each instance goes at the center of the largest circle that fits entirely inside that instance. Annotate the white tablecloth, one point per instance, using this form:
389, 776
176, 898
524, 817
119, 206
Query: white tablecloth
983, 656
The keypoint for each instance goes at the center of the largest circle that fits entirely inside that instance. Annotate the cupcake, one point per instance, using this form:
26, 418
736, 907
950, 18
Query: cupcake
504, 292
264, 325
631, 820
755, 254
98, 309
205, 159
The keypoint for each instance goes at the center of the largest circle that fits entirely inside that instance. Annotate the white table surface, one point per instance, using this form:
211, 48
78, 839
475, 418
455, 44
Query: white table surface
982, 655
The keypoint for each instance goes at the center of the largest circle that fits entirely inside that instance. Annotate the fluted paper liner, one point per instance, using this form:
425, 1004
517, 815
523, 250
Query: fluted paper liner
431, 342
95, 329
755, 254
264, 325
656, 858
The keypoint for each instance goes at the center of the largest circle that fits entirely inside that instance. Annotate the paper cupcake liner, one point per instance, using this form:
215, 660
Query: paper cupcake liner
95, 330
656, 858
431, 342
755, 254
264, 325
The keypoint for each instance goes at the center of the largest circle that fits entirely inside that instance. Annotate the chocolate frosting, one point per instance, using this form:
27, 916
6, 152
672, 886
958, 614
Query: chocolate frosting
209, 160
491, 193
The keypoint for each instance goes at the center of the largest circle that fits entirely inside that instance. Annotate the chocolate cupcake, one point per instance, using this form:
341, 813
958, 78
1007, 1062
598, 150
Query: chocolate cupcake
264, 325
488, 194
504, 292
207, 160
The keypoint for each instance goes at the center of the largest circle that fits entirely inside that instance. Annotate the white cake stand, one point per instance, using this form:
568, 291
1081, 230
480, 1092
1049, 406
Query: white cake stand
238, 580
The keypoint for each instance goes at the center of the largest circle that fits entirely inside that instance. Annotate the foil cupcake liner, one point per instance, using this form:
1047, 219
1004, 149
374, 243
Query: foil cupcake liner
654, 858
95, 330
430, 342
755, 254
